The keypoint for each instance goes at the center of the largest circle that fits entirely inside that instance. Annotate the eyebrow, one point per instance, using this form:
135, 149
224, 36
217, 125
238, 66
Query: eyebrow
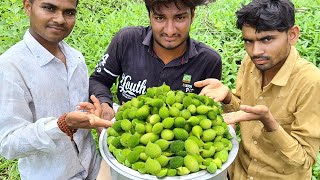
158, 13
56, 7
259, 39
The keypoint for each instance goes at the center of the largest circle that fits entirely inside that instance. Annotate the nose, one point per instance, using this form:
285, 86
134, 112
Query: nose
170, 28
59, 18
257, 49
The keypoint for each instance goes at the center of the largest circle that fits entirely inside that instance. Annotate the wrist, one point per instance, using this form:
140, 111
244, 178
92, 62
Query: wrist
269, 123
64, 127
269, 127
227, 99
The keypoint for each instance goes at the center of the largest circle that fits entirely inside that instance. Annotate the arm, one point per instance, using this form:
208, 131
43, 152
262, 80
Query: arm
105, 74
300, 146
21, 134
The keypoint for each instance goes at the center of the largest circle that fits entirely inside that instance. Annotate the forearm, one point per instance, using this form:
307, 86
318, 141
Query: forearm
295, 150
21, 139
100, 90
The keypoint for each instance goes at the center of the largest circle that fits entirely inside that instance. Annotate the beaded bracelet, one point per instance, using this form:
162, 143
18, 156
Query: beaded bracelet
64, 128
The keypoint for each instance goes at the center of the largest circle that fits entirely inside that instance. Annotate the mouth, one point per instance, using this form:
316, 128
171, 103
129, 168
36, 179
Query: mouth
260, 60
57, 28
170, 39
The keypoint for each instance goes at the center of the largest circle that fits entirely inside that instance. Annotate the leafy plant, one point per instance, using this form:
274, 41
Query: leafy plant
214, 25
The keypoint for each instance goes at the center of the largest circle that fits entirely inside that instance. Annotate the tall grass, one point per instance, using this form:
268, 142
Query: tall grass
214, 24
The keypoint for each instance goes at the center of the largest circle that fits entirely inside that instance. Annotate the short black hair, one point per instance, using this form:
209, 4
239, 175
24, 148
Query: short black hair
155, 4
267, 15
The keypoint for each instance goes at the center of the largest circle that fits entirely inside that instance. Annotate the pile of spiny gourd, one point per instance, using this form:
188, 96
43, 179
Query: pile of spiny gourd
170, 133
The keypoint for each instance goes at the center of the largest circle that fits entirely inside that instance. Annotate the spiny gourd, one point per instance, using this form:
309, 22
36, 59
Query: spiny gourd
170, 133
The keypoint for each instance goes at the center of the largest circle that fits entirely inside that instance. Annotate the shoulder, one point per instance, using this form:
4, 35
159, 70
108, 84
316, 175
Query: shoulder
15, 53
205, 51
306, 71
133, 31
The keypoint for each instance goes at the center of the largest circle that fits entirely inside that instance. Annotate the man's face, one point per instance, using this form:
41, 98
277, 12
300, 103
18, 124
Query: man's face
267, 49
51, 20
171, 25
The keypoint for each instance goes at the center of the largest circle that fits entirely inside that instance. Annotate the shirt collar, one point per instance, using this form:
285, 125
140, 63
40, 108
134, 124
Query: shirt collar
191, 51
43, 56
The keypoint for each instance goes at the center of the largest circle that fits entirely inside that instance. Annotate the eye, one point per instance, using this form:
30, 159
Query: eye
48, 8
267, 39
159, 18
247, 41
70, 13
181, 18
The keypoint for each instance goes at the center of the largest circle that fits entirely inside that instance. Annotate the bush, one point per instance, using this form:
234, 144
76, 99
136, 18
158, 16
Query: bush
214, 24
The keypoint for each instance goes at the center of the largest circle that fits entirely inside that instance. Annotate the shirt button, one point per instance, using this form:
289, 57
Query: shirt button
255, 142
255, 160
251, 178
260, 97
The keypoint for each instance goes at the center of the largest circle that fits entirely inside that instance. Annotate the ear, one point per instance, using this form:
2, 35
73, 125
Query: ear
27, 6
192, 14
293, 35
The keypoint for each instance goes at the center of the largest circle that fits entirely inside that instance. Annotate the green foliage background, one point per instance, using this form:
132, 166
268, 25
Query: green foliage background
214, 24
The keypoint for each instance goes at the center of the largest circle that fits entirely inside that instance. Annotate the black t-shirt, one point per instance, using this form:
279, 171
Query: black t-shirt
131, 58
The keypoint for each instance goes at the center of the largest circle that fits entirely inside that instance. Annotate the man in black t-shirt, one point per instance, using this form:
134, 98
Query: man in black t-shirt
144, 57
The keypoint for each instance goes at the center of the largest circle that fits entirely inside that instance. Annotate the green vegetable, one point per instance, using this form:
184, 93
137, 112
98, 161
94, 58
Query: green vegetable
176, 162
177, 146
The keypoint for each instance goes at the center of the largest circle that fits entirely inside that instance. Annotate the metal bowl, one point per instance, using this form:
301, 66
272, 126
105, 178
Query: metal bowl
122, 172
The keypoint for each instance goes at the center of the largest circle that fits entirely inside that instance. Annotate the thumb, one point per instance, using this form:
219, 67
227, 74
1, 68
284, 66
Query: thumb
199, 84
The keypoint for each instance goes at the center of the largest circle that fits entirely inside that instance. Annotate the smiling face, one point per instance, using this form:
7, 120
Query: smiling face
170, 26
51, 20
269, 49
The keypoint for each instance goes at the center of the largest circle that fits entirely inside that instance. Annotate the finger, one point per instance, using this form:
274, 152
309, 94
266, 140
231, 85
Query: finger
217, 99
202, 92
85, 106
199, 84
98, 122
205, 82
245, 108
95, 102
97, 105
235, 117
258, 110
228, 118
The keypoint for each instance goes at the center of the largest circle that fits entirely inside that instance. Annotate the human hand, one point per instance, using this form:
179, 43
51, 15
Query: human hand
85, 120
107, 112
214, 89
94, 108
249, 113
89, 118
